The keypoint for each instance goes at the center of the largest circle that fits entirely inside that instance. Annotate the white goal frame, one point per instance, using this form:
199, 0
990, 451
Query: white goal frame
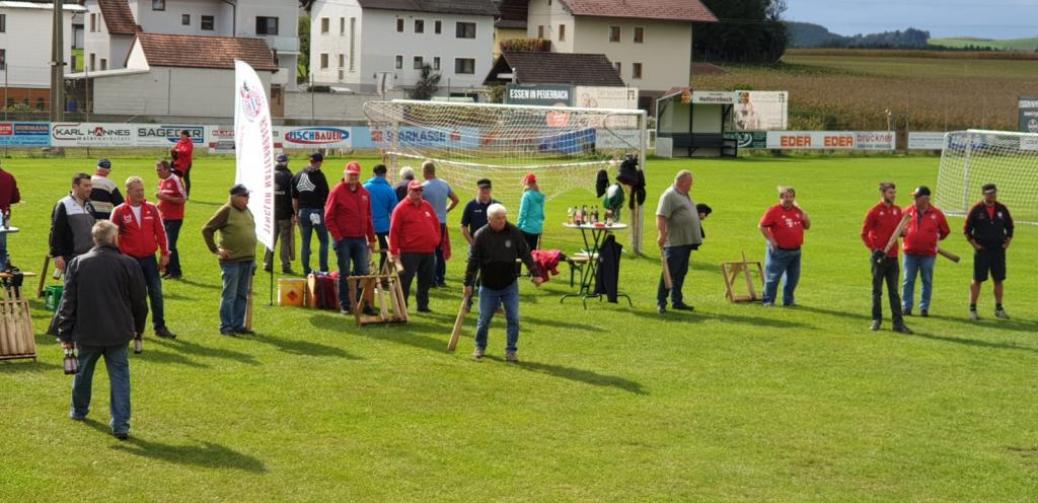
974, 157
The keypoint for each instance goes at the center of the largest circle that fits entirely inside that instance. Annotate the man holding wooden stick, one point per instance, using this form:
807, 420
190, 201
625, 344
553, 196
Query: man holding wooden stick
926, 226
237, 254
880, 233
680, 232
493, 254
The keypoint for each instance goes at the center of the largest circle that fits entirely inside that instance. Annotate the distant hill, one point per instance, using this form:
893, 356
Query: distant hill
810, 35
1016, 44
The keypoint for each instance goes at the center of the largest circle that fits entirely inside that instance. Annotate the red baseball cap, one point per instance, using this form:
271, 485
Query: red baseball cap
530, 178
414, 185
353, 168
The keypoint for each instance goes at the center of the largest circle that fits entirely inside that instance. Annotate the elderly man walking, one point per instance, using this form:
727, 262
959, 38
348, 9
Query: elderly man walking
414, 234
237, 254
141, 234
103, 308
104, 193
348, 217
783, 227
493, 254
680, 231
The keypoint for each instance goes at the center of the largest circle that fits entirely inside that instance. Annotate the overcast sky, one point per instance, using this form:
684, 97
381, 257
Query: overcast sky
943, 18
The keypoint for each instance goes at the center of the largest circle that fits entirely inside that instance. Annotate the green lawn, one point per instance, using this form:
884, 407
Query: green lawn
732, 402
1012, 44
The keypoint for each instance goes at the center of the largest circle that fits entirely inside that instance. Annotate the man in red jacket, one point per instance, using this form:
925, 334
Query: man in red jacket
926, 226
141, 234
181, 154
414, 234
347, 215
880, 223
8, 196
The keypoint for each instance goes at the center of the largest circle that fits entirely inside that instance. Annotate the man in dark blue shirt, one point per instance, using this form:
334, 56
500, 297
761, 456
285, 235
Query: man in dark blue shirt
475, 215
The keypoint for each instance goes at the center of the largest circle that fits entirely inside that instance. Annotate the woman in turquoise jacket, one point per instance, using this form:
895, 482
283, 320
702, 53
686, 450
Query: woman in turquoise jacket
531, 211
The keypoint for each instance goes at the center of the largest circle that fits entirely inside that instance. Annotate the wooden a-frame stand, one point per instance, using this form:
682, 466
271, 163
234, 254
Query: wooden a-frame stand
385, 289
731, 272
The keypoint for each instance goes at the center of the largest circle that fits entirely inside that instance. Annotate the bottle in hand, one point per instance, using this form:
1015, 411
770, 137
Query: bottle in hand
71, 362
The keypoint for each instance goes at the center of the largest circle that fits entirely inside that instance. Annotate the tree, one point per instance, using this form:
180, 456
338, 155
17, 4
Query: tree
747, 31
427, 85
303, 67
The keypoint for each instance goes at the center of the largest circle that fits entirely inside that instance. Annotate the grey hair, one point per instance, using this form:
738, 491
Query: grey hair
682, 174
104, 232
407, 173
132, 180
496, 209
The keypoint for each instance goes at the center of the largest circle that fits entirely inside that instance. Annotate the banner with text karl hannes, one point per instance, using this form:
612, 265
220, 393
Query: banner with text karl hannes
254, 150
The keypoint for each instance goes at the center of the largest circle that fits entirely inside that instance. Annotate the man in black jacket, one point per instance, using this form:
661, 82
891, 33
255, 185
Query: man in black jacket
283, 214
309, 194
989, 228
71, 221
493, 253
103, 307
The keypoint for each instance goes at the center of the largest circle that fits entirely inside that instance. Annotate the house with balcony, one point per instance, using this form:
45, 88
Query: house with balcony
649, 42
25, 52
112, 27
370, 45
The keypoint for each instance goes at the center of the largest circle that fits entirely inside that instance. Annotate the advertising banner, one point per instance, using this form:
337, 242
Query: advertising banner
549, 95
625, 98
761, 110
925, 141
24, 134
712, 98
750, 140
831, 140
312, 138
160, 135
92, 134
1028, 114
255, 153
220, 139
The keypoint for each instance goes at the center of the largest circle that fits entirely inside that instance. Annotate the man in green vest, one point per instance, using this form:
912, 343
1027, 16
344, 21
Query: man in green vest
237, 254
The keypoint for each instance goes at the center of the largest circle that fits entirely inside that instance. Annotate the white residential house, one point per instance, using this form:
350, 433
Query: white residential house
25, 51
356, 43
111, 26
648, 41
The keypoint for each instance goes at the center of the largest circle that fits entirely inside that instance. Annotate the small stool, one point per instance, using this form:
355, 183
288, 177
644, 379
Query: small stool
576, 263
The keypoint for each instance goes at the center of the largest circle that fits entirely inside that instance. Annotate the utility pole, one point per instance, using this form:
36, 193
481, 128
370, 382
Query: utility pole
57, 65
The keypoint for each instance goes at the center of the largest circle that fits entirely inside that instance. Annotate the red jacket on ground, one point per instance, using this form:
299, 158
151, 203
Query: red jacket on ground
140, 239
413, 229
8, 190
184, 149
347, 213
881, 221
787, 226
922, 234
172, 186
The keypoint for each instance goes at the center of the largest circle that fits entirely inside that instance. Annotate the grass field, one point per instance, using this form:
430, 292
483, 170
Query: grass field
1012, 44
852, 89
731, 402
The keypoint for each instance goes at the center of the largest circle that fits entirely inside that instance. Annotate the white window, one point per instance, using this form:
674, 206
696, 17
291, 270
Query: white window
208, 22
104, 64
636, 70
342, 26
93, 66
418, 63
185, 19
3, 23
342, 66
353, 26
438, 27
158, 4
266, 25
324, 24
639, 34
436, 63
419, 26
93, 23
464, 66
3, 59
614, 33
540, 31
324, 61
619, 68
399, 62
562, 32
400, 25
465, 30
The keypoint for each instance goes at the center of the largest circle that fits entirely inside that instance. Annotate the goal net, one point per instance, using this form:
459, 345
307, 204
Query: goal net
564, 147
973, 158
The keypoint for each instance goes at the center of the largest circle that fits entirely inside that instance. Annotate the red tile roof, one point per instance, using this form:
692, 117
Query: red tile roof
196, 51
670, 10
118, 17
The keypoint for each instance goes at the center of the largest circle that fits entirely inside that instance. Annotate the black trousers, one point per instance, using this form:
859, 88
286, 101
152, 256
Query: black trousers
887, 271
383, 246
422, 265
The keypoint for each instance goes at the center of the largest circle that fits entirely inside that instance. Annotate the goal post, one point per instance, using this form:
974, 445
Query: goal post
564, 147
973, 158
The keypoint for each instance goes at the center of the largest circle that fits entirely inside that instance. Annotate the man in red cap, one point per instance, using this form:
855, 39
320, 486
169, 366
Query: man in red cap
347, 214
414, 234
925, 228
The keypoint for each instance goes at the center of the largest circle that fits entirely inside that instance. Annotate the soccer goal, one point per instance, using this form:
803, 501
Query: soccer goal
973, 158
565, 147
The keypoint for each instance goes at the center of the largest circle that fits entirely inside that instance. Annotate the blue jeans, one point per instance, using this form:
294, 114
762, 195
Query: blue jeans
489, 300
305, 228
150, 268
235, 295
440, 274
677, 262
781, 265
3, 251
118, 364
350, 250
172, 234
924, 266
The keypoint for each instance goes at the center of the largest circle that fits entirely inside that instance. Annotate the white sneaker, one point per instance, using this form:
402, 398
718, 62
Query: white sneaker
478, 354
1001, 314
511, 357
973, 315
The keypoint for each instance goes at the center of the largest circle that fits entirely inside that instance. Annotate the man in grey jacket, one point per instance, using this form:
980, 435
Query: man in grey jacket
104, 306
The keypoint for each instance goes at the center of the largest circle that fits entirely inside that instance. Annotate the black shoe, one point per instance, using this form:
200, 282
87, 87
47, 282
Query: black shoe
288, 271
441, 285
369, 311
902, 329
875, 325
122, 435
268, 268
924, 313
424, 310
682, 307
245, 331
661, 309
173, 276
228, 333
906, 312
164, 332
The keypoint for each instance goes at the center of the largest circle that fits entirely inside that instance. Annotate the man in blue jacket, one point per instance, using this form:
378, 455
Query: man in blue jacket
383, 201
